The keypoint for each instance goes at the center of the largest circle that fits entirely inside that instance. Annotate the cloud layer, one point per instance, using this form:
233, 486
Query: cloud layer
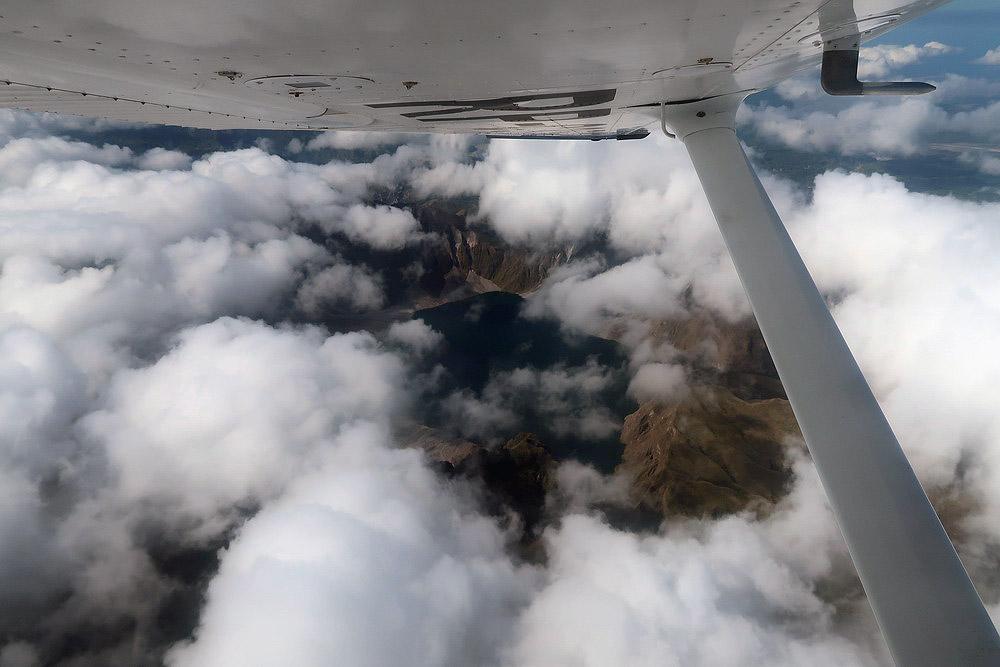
962, 109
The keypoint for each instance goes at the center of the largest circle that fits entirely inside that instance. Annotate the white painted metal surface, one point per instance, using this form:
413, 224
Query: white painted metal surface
925, 604
521, 67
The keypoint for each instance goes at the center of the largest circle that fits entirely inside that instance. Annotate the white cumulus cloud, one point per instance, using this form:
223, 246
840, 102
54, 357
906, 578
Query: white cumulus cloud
991, 57
878, 61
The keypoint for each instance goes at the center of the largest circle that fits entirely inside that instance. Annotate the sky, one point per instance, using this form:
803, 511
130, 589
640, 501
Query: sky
167, 392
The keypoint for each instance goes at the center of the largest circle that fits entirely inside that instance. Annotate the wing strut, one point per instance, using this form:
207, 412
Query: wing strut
925, 604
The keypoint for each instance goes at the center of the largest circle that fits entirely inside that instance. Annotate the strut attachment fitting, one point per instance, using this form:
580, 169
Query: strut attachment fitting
839, 75
663, 121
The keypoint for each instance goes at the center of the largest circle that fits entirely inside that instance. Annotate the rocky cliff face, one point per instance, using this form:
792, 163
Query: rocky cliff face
467, 262
510, 270
721, 447
712, 341
708, 454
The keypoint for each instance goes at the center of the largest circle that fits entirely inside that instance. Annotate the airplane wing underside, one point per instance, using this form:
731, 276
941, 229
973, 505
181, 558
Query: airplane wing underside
582, 68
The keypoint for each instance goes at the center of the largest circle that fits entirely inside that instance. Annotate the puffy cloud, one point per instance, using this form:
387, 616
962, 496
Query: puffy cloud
715, 592
157, 159
639, 196
41, 393
878, 61
553, 193
133, 418
795, 89
979, 122
583, 296
383, 227
991, 57
355, 140
414, 334
871, 126
190, 429
989, 164
370, 560
249, 191
132, 302
580, 487
966, 89
657, 381
340, 285
474, 416
862, 127
723, 597
448, 169
916, 298
20, 158
124, 255
219, 275
531, 200
179, 449
962, 109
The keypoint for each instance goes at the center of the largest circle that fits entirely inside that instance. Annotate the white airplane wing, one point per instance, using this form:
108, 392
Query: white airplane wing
519, 68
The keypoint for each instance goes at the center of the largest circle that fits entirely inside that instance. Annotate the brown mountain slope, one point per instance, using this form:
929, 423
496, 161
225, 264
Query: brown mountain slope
467, 262
711, 453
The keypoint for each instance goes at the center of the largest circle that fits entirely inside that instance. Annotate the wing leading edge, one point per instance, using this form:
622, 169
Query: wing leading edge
567, 68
